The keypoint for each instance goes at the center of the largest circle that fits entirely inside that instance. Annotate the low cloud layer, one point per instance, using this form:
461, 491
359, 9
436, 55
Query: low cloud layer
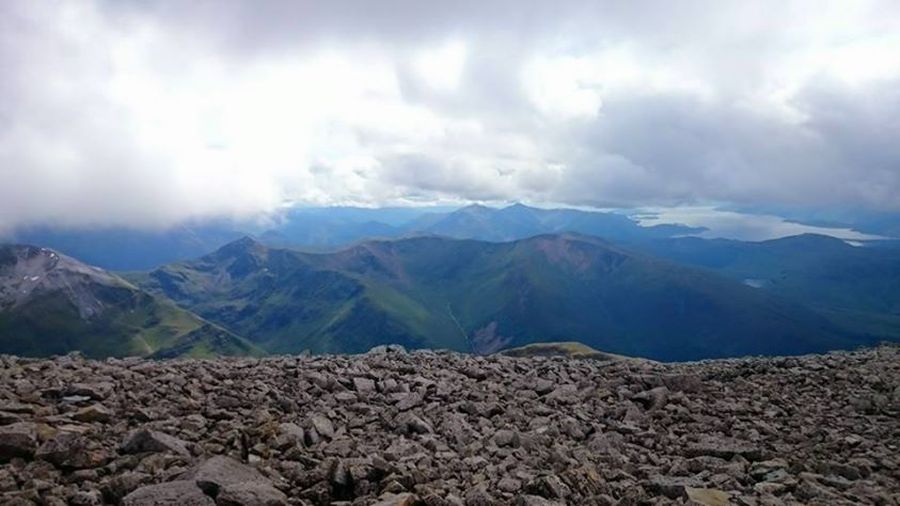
151, 113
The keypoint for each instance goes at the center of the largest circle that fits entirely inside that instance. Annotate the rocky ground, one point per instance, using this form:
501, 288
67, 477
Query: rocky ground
392, 428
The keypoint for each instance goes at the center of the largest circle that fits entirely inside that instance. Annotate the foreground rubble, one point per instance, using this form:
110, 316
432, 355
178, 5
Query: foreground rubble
392, 428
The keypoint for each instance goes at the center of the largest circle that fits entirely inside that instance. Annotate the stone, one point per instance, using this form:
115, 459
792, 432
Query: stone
652, 399
505, 437
92, 413
402, 499
363, 385
96, 391
409, 423
87, 498
548, 487
251, 493
68, 450
387, 349
17, 440
724, 449
409, 401
144, 440
707, 496
509, 484
322, 425
215, 473
173, 493
672, 487
289, 434
534, 500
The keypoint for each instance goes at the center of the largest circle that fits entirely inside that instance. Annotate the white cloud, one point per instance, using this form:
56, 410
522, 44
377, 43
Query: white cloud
147, 114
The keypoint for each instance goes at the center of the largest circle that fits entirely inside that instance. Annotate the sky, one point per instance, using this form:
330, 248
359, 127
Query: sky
152, 113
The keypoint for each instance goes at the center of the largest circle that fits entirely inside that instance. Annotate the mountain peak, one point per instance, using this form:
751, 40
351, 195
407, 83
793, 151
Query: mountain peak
818, 241
475, 208
518, 205
29, 271
243, 246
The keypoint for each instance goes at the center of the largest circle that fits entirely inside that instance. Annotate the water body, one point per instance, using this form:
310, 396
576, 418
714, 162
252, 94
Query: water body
744, 227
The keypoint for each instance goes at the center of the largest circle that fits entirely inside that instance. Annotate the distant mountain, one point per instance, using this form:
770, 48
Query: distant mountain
857, 287
519, 221
124, 249
328, 229
325, 228
53, 304
481, 296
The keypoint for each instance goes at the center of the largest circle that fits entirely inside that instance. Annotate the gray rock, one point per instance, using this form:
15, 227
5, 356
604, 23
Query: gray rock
215, 473
672, 487
143, 440
96, 391
173, 493
363, 385
68, 450
548, 487
505, 437
252, 493
409, 401
402, 499
93, 413
322, 425
534, 500
654, 398
17, 440
387, 349
724, 449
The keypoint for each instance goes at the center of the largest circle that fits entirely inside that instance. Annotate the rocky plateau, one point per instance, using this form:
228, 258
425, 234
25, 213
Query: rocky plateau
437, 428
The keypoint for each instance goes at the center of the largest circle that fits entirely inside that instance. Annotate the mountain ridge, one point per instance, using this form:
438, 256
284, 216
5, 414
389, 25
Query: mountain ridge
481, 296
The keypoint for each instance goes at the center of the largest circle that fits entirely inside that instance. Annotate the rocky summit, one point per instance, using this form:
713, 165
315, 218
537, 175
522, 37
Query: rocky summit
439, 428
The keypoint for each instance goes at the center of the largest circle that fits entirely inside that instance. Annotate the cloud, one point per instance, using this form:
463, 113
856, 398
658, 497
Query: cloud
149, 114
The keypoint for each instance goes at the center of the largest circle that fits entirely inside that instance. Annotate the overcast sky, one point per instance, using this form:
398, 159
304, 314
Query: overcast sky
149, 113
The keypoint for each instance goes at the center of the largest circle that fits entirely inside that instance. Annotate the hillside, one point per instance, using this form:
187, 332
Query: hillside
436, 428
53, 304
482, 297
857, 287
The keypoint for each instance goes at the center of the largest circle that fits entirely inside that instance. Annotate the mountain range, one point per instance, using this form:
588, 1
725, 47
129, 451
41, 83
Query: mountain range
329, 229
475, 279
482, 296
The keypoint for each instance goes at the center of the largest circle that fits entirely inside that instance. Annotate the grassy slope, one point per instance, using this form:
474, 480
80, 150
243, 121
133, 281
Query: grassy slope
133, 323
856, 288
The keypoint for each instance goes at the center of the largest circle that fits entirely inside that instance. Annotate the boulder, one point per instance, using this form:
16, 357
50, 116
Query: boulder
17, 440
215, 473
69, 450
250, 493
173, 493
93, 413
144, 440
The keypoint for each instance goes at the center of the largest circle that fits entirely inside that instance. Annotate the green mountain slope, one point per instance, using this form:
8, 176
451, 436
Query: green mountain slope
857, 287
482, 297
53, 304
